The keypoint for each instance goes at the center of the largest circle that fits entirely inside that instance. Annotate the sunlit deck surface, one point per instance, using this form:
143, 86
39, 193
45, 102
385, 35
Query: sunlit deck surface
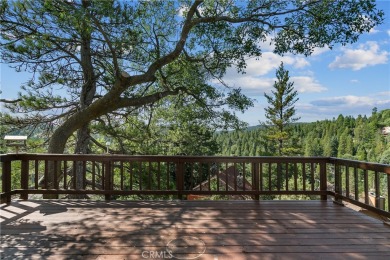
59, 229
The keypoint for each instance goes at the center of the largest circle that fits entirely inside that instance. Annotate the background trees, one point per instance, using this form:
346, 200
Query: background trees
322, 138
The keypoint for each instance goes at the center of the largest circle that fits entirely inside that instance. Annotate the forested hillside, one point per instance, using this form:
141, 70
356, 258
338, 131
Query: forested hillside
358, 138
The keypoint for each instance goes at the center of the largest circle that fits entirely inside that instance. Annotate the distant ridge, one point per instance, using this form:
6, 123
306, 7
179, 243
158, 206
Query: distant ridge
250, 128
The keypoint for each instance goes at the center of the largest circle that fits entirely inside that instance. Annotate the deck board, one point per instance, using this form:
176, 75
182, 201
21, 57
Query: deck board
228, 230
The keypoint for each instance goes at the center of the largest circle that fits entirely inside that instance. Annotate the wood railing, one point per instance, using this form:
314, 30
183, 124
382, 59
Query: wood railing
366, 185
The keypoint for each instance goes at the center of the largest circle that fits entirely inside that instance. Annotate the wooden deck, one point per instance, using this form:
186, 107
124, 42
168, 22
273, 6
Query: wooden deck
61, 229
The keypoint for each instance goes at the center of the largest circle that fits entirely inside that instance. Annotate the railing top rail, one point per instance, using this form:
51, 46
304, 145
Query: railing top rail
8, 157
156, 158
204, 159
362, 165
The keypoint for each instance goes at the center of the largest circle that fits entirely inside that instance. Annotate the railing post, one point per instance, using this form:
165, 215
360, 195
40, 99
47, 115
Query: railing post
323, 180
24, 179
6, 182
180, 179
107, 180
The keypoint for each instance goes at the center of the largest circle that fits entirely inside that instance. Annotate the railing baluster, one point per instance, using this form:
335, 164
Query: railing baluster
168, 176
295, 177
93, 172
337, 183
159, 175
377, 189
140, 175
56, 166
150, 176
131, 175
46, 173
103, 175
6, 182
200, 176
278, 172
235, 176
366, 199
347, 181
107, 180
36, 174
180, 179
243, 176
84, 171
217, 174
121, 174
355, 173
256, 181
261, 177
304, 176
269, 177
323, 180
74, 174
388, 192
209, 176
191, 176
286, 176
312, 176
226, 177
65, 175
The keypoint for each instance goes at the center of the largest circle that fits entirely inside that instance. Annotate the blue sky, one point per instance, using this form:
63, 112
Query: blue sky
348, 80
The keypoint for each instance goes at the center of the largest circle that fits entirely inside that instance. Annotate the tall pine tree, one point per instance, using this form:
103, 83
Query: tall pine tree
281, 111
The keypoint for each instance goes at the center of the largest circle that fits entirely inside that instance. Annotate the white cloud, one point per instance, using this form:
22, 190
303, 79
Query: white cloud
367, 54
300, 63
383, 93
258, 85
304, 84
373, 31
344, 101
347, 105
318, 51
267, 63
350, 102
354, 81
254, 81
251, 85
388, 32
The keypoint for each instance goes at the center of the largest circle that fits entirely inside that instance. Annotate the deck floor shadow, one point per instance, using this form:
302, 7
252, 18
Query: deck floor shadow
66, 229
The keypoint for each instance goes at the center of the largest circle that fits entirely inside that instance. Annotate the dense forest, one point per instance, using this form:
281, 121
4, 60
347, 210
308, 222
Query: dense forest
347, 137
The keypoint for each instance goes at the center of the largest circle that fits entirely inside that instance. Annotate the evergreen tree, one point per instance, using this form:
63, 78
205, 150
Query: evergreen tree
281, 111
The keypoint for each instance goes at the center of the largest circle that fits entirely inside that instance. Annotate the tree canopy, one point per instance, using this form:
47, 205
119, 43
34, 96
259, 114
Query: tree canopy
90, 60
